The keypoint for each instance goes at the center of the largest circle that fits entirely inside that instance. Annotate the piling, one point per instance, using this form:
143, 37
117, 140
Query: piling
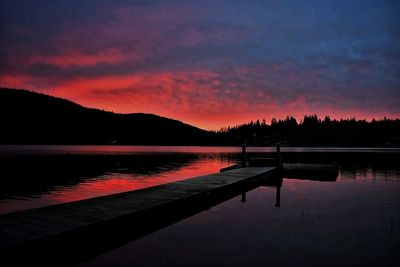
278, 155
278, 196
244, 155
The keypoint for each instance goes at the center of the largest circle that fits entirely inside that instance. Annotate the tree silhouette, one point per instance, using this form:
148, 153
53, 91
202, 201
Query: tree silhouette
32, 118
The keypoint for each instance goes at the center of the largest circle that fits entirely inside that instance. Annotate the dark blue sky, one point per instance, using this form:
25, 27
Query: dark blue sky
209, 63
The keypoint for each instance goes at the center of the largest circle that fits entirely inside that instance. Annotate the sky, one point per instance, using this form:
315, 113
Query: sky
208, 63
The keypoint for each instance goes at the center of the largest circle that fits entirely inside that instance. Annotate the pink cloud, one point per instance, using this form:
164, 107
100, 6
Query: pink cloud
14, 81
71, 58
205, 98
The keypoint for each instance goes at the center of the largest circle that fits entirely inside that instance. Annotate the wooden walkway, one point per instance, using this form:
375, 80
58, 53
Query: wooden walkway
72, 232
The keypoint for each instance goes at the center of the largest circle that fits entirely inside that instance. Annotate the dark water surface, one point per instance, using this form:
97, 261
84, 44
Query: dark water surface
36, 176
354, 221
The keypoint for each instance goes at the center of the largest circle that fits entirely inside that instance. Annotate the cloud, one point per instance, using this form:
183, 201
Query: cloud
210, 63
69, 59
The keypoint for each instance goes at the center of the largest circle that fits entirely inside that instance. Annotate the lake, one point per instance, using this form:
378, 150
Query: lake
353, 221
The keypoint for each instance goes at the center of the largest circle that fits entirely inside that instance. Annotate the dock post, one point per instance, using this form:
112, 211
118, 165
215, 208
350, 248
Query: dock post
278, 196
244, 156
278, 155
243, 200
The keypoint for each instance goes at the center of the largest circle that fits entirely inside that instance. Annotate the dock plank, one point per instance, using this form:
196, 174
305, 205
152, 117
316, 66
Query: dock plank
63, 220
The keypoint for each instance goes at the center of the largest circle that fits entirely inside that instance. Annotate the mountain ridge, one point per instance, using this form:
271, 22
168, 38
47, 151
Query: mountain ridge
35, 118
53, 120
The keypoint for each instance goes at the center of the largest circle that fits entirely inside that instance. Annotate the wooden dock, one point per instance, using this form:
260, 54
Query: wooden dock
69, 233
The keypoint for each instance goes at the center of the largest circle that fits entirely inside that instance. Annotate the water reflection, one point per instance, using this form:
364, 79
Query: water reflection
284, 222
93, 149
277, 221
372, 171
34, 176
278, 197
31, 181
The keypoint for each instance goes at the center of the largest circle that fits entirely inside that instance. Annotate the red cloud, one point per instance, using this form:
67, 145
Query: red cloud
208, 99
77, 58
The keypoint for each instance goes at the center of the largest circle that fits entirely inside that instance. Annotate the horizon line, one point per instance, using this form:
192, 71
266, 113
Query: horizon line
269, 123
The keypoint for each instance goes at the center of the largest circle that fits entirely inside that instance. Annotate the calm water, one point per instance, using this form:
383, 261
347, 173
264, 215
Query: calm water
49, 149
35, 176
351, 222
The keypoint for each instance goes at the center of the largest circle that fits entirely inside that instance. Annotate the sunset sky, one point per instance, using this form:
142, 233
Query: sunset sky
208, 63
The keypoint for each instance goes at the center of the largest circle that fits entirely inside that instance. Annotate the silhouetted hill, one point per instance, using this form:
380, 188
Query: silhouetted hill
32, 118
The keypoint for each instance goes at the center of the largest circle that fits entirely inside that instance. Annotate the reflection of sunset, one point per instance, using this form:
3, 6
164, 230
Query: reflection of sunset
115, 183
211, 160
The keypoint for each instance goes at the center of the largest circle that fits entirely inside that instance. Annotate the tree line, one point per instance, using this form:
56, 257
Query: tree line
314, 131
32, 118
